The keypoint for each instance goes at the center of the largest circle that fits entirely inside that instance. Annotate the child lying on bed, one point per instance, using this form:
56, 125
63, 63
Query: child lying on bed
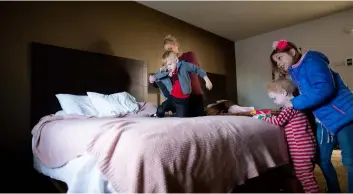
177, 80
298, 132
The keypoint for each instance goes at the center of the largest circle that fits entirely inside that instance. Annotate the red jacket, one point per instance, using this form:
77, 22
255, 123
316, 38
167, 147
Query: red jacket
195, 82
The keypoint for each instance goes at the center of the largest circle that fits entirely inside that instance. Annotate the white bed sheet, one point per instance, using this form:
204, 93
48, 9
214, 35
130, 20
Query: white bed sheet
82, 175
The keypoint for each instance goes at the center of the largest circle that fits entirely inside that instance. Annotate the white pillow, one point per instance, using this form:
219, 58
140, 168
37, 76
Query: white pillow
113, 104
77, 105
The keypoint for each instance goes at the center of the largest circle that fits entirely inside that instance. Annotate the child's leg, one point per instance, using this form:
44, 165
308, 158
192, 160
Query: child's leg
163, 88
164, 107
302, 151
181, 106
345, 141
304, 171
324, 152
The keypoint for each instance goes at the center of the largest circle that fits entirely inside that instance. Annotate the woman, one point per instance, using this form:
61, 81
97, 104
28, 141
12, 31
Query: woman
196, 97
324, 93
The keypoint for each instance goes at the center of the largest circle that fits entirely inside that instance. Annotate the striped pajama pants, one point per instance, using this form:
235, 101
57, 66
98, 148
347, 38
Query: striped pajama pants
302, 151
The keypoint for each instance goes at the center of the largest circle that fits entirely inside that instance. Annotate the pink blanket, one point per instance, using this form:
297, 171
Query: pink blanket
138, 154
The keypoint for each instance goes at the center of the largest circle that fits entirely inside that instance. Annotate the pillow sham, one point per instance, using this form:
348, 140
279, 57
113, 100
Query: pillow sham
77, 105
114, 104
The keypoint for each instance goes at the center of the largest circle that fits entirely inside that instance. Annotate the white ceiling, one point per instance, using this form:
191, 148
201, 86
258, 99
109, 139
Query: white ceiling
237, 20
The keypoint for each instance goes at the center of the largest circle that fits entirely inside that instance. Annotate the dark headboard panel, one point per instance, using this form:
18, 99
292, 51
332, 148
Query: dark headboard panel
219, 90
62, 70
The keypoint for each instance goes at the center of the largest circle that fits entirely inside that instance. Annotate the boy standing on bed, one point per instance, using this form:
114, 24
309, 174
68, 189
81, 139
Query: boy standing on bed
177, 80
299, 134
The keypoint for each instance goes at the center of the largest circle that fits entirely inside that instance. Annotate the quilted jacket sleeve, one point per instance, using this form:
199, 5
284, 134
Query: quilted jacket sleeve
322, 85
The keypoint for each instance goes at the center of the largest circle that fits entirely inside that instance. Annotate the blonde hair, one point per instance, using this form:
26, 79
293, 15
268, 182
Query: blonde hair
282, 84
167, 54
170, 40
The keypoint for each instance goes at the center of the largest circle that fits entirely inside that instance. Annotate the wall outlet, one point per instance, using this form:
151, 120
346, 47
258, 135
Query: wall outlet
349, 61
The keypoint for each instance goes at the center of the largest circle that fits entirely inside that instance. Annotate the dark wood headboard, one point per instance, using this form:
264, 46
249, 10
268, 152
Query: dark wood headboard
62, 70
219, 90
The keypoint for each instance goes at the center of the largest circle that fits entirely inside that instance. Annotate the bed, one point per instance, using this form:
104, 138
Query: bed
142, 154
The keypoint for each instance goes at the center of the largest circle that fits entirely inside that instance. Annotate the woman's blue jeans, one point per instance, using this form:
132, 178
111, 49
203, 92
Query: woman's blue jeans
326, 144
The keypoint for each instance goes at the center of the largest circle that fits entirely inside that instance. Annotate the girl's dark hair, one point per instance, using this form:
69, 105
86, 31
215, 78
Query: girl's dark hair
286, 49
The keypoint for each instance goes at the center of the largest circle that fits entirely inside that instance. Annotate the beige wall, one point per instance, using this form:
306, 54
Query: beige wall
324, 34
125, 29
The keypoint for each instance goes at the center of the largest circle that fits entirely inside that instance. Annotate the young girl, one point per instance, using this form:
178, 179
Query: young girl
299, 135
322, 91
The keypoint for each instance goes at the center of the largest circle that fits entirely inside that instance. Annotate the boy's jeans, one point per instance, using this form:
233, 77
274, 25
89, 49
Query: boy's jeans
344, 139
178, 105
